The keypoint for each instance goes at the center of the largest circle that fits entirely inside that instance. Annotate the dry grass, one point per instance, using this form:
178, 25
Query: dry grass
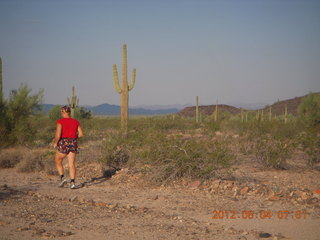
35, 160
10, 157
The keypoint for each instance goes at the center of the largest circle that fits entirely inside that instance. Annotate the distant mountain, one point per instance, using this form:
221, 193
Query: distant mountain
277, 108
208, 110
47, 107
248, 106
109, 109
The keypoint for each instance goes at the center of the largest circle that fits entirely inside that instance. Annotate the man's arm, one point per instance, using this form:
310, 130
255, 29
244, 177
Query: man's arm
58, 135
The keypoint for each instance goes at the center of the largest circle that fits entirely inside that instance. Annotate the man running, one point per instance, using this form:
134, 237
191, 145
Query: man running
67, 132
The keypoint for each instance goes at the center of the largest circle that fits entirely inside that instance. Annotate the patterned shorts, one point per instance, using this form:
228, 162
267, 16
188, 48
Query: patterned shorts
66, 145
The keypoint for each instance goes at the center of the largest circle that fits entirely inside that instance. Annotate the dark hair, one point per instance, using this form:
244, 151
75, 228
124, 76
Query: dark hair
66, 109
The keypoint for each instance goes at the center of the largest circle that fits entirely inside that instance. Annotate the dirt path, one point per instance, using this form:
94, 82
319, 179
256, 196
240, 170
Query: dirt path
123, 207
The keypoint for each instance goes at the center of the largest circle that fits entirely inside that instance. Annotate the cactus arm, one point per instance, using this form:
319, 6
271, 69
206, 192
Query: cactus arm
116, 79
133, 79
68, 99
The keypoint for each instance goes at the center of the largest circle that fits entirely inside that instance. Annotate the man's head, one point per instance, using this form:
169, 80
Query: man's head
65, 110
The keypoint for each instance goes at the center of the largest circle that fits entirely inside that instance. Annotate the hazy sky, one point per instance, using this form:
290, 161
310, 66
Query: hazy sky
234, 51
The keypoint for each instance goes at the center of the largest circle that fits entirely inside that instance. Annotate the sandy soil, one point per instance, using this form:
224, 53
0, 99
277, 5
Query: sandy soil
126, 207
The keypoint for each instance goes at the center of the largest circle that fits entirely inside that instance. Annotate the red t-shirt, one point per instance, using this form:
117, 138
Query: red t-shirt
69, 127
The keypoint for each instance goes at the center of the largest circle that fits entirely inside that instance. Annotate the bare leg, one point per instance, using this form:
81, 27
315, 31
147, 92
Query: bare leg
59, 158
72, 167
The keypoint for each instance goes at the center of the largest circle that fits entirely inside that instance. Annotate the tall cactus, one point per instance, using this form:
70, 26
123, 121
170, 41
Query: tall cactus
124, 90
216, 112
197, 109
242, 115
73, 102
285, 114
1, 87
270, 113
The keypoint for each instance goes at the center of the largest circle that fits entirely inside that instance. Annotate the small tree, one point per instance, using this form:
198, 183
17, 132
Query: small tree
309, 110
55, 113
19, 108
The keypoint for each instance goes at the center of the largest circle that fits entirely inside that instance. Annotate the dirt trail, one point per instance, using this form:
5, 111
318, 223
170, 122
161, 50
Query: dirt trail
123, 207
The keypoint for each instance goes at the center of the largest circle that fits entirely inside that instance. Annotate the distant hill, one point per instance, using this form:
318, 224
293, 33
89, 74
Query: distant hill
277, 108
109, 109
208, 110
47, 107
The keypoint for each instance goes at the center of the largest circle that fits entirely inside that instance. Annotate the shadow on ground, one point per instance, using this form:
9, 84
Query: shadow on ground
107, 174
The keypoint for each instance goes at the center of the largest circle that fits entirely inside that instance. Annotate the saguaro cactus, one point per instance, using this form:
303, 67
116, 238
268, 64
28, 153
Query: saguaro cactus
285, 114
124, 90
73, 102
241, 115
216, 112
197, 109
1, 87
270, 113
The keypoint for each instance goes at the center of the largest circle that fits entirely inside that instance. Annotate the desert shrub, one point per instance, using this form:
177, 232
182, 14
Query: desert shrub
310, 142
255, 129
272, 152
23, 133
176, 157
55, 113
36, 160
83, 113
309, 110
169, 156
17, 111
9, 158
116, 152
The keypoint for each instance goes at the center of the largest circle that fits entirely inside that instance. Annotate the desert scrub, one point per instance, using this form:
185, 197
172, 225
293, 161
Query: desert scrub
272, 152
310, 143
10, 157
36, 160
168, 156
175, 157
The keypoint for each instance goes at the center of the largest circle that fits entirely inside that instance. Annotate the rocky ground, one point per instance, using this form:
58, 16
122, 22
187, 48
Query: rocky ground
253, 204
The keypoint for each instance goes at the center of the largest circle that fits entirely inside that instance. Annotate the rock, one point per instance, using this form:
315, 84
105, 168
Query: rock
101, 204
45, 220
265, 235
244, 190
303, 195
274, 198
156, 197
195, 184
112, 206
74, 198
316, 192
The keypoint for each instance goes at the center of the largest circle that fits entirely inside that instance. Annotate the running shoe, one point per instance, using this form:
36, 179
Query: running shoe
73, 185
62, 183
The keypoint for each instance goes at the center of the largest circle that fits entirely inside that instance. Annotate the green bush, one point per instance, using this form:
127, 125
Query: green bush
309, 110
168, 156
16, 115
272, 152
310, 142
55, 113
